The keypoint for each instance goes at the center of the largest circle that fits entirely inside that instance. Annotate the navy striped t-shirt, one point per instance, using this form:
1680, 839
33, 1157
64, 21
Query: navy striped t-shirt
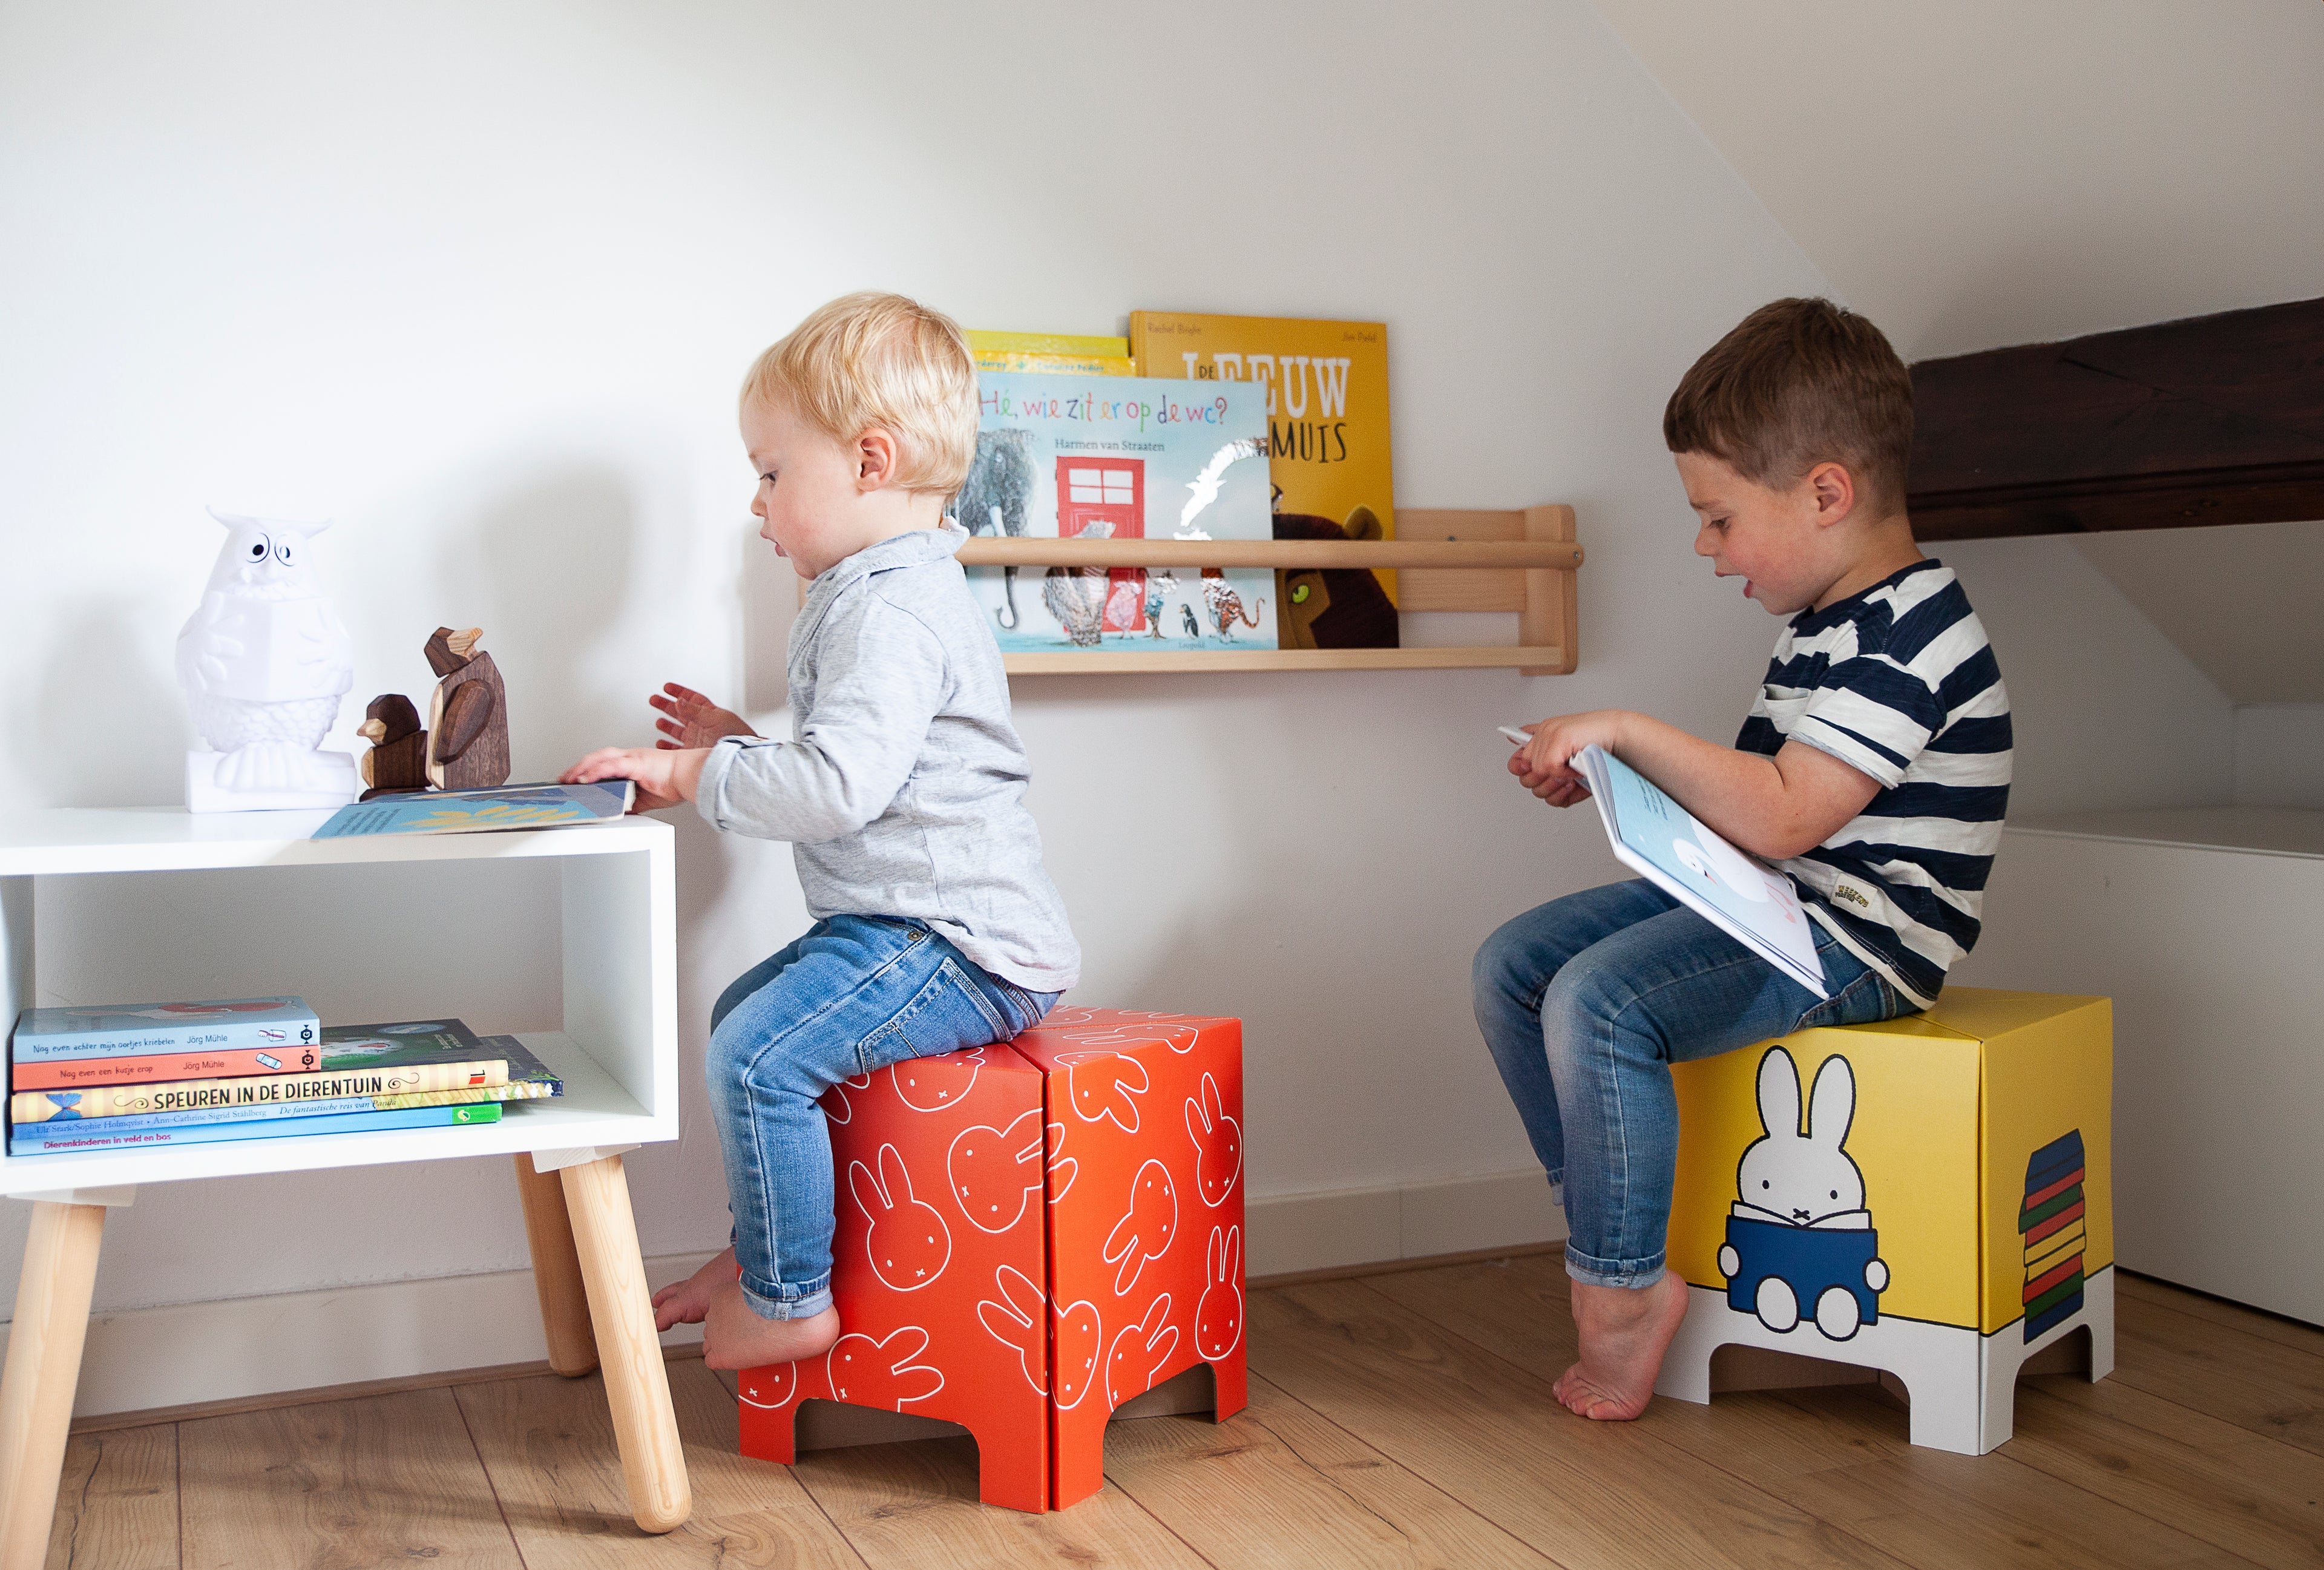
1899, 683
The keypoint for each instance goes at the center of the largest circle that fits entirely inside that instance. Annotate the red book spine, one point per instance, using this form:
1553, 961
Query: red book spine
75, 1073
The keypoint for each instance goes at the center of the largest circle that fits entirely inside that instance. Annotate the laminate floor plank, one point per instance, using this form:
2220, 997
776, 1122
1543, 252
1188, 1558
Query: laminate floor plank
343, 1485
1947, 1509
117, 1502
1280, 1487
1490, 1434
547, 1444
2275, 1327
2249, 1495
910, 1506
2250, 1381
1520, 1311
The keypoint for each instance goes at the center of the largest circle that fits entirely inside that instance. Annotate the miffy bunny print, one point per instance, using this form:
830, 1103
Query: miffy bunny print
1029, 1235
1799, 1243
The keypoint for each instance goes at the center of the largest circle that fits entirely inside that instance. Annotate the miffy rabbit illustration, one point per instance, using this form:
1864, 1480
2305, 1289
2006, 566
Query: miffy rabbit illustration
1140, 1351
1104, 1084
1144, 1233
1062, 1168
771, 1387
1080, 1340
908, 1243
996, 1172
1800, 1242
837, 1107
1217, 1318
1218, 1143
931, 1085
885, 1372
1019, 1321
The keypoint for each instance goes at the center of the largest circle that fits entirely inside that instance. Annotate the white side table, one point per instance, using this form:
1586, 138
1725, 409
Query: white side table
617, 1056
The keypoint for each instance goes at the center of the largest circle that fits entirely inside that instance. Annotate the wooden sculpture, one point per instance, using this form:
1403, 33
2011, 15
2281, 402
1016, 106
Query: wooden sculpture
467, 718
398, 759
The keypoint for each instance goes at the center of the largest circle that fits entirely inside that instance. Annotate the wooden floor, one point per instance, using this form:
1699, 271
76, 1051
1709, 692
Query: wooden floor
1400, 1419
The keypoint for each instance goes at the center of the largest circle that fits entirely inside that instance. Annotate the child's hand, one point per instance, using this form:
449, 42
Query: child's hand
692, 720
664, 778
1541, 765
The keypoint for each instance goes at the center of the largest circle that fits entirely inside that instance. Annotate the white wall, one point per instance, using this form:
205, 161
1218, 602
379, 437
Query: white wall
479, 282
2279, 754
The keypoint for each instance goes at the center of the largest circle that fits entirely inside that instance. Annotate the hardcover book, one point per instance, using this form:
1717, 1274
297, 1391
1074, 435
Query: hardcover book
1120, 458
1327, 418
274, 1090
1050, 353
396, 1058
266, 1025
52, 1139
505, 807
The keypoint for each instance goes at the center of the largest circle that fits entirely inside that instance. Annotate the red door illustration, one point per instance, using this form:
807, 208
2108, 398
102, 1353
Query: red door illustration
1111, 491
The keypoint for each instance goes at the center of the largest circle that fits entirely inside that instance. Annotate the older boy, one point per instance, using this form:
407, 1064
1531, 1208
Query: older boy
1874, 770
902, 789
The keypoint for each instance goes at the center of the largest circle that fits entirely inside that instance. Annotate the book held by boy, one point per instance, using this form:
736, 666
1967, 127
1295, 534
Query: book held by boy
1739, 894
1119, 457
505, 807
276, 1026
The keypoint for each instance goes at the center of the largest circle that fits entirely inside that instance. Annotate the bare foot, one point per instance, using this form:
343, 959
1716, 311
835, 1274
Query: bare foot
1625, 1331
732, 1336
686, 1302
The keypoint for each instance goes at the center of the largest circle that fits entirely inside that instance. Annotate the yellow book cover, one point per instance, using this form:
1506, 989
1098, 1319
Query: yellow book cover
39, 1106
1050, 353
1327, 422
979, 340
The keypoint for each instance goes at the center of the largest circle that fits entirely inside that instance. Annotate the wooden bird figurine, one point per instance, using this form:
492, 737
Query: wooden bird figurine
398, 759
467, 718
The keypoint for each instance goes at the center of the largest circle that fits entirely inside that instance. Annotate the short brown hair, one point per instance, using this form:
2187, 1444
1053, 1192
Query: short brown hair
880, 359
1799, 383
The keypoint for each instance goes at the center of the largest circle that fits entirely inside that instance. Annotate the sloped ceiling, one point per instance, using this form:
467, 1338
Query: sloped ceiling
1972, 173
2240, 602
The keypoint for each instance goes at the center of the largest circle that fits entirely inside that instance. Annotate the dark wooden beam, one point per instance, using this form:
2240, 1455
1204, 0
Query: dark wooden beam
2215, 420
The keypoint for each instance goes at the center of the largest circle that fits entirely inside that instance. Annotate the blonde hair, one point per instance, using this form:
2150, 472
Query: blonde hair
873, 359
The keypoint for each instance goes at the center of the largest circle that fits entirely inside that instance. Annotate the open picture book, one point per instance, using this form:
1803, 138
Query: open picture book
1741, 895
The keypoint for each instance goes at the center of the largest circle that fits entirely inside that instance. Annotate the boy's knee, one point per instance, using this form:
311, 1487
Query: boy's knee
1501, 969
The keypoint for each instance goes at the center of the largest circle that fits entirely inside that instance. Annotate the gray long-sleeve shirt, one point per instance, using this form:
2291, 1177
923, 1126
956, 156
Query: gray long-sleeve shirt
903, 788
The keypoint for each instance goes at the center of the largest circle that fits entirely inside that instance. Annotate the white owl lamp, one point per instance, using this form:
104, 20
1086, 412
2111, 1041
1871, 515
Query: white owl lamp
265, 662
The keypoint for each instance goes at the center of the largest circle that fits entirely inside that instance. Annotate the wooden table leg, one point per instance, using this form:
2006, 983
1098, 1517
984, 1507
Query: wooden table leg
36, 1391
637, 1385
556, 1271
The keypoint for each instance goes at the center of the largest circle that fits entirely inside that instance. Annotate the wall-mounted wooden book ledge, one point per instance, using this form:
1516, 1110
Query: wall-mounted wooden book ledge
1522, 560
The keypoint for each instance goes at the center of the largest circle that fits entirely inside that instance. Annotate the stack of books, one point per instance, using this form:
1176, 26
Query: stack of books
2051, 1218
120, 1077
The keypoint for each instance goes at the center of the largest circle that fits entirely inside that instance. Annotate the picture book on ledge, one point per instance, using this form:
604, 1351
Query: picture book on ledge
1741, 895
1119, 457
506, 806
1327, 425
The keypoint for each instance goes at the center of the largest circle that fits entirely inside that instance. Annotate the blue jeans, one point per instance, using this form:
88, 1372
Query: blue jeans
854, 994
1586, 1002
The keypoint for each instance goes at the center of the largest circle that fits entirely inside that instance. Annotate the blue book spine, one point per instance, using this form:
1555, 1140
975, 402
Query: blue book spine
259, 1112
30, 1044
95, 1133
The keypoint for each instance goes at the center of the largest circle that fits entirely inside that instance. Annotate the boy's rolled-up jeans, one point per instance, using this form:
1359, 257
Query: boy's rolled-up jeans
1586, 1002
854, 994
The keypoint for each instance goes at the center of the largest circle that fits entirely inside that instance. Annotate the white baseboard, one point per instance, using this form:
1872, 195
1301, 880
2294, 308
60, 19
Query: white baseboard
180, 1355
1334, 1230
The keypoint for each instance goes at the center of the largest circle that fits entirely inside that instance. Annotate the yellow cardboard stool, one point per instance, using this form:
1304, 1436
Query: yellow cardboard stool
1943, 1213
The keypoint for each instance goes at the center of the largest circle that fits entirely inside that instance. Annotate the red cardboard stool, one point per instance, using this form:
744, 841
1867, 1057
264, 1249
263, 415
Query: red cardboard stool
1029, 1236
